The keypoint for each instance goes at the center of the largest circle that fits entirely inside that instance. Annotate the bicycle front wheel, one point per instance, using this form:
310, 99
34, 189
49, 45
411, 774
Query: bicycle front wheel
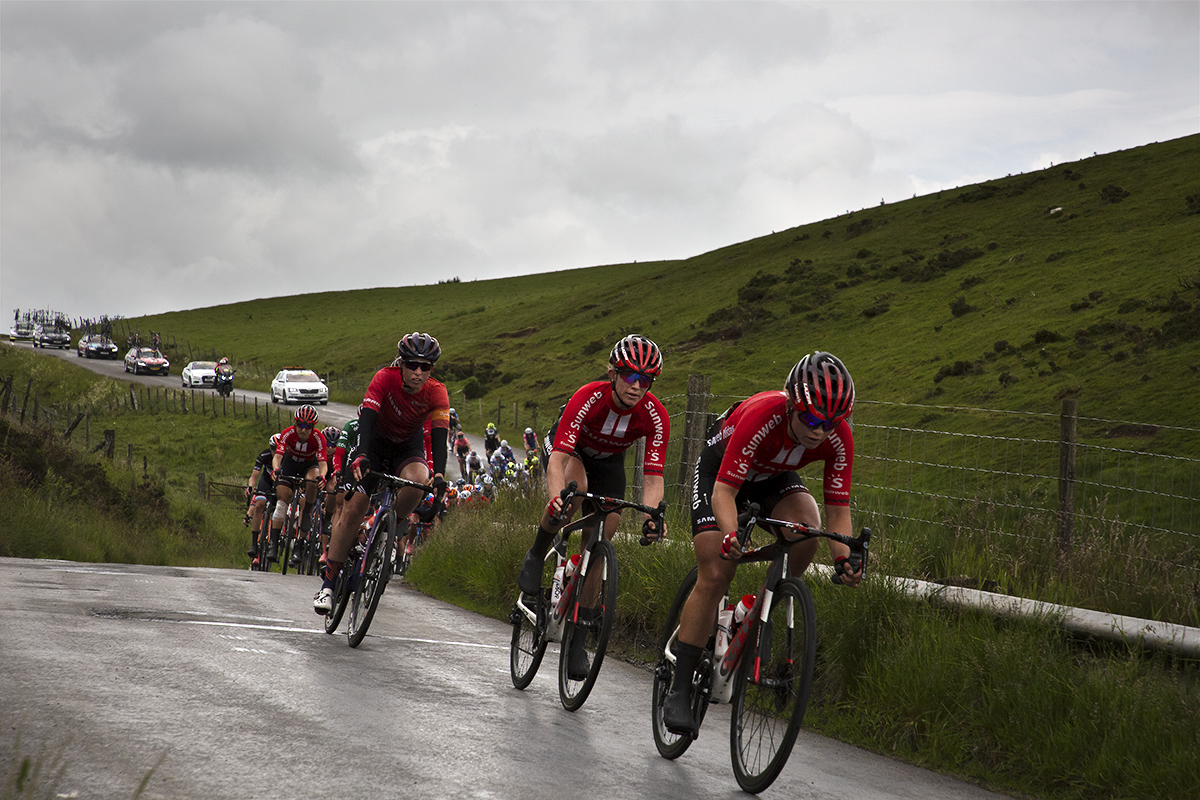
341, 596
373, 577
772, 687
585, 640
672, 745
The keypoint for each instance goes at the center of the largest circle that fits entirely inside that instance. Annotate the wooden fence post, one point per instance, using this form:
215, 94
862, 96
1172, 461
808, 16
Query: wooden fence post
695, 418
203, 485
1066, 480
639, 455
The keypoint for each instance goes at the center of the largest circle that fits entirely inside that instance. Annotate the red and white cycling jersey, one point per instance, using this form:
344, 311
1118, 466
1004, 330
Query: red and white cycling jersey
594, 425
756, 446
403, 415
312, 450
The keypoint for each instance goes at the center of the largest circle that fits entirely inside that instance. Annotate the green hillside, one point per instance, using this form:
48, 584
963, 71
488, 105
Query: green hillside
979, 296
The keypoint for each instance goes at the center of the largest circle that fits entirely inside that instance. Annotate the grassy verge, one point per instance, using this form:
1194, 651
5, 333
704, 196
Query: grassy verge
1018, 706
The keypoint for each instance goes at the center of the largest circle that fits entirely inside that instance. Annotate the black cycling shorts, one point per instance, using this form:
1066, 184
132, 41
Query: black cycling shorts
292, 472
767, 493
605, 476
391, 457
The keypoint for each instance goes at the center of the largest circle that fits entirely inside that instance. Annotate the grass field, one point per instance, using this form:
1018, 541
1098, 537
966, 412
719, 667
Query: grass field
979, 296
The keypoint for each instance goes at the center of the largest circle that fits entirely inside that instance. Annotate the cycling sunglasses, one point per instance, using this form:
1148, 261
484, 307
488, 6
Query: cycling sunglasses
418, 366
305, 425
812, 421
643, 381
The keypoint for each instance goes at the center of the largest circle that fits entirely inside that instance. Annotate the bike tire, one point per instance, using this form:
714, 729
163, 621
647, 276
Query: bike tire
341, 592
672, 745
767, 711
574, 691
372, 578
528, 644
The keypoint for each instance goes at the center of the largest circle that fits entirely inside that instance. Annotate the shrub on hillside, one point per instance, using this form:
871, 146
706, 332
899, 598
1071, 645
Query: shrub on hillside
1113, 194
959, 306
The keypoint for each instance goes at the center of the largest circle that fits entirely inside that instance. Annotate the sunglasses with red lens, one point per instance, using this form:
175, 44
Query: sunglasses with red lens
642, 381
418, 366
812, 421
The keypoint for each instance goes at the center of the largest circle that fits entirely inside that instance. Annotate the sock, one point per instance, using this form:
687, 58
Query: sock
686, 656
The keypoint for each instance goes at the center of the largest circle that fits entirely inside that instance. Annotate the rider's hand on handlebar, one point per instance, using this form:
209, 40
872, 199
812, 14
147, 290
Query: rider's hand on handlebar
360, 466
731, 548
554, 508
844, 573
653, 531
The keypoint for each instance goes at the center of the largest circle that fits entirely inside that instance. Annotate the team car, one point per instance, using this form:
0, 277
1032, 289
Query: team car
51, 336
97, 345
145, 359
21, 330
199, 373
294, 385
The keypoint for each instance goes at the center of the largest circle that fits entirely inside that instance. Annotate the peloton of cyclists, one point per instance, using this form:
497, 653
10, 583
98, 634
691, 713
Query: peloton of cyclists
300, 456
391, 429
598, 424
752, 457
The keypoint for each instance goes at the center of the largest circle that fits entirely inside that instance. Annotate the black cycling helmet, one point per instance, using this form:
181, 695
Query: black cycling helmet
306, 414
820, 384
419, 347
636, 353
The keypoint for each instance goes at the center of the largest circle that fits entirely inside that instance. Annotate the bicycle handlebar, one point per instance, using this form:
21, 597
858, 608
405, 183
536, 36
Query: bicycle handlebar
858, 545
607, 505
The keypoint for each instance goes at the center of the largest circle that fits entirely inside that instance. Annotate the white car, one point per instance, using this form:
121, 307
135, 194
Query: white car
199, 373
299, 386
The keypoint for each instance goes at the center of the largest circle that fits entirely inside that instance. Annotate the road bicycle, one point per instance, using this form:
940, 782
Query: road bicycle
306, 547
260, 563
579, 601
766, 673
368, 567
292, 535
404, 552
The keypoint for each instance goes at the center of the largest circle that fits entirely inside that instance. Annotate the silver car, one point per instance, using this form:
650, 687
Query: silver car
299, 386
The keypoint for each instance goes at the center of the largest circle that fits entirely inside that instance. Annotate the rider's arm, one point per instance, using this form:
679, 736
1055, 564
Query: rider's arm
724, 503
556, 472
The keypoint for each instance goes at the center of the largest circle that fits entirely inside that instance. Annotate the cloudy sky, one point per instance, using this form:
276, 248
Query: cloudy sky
168, 155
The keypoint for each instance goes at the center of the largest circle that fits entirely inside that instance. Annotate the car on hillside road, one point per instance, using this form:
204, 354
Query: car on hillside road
21, 330
202, 374
97, 345
294, 385
51, 336
146, 359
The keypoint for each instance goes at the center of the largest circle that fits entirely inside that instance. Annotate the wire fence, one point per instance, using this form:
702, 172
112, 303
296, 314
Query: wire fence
1034, 476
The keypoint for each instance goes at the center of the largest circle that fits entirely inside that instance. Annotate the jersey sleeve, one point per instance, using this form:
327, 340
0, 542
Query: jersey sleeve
839, 466
570, 425
658, 435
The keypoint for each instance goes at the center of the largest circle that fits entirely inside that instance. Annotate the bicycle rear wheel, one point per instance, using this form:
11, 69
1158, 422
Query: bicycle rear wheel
771, 691
672, 745
590, 631
529, 635
376, 569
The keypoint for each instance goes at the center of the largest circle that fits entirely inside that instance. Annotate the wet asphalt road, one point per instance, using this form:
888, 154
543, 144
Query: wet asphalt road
224, 683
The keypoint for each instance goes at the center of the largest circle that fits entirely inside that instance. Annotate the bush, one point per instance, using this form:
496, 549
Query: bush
960, 306
1113, 194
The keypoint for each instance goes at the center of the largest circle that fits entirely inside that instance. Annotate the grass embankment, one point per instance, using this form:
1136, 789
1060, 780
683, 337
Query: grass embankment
978, 296
62, 501
1018, 706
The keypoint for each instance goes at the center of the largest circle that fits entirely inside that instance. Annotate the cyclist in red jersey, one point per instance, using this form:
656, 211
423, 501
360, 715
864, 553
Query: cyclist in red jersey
599, 423
752, 458
392, 438
301, 455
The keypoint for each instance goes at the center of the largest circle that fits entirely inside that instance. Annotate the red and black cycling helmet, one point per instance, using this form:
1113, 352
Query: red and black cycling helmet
636, 353
820, 384
306, 414
418, 347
